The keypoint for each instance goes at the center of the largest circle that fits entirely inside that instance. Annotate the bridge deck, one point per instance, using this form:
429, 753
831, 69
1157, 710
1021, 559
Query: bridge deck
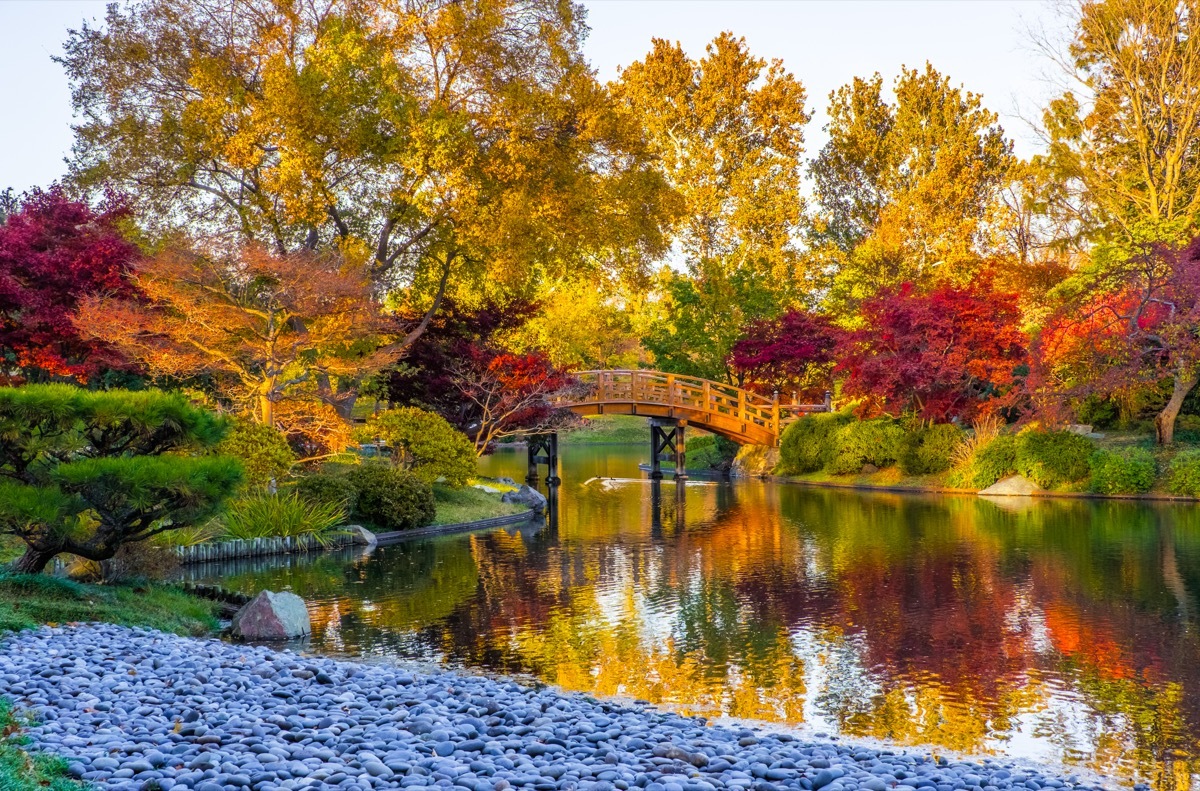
723, 409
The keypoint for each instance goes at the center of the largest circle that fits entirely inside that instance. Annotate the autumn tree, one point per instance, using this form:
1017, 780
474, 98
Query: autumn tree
586, 324
1130, 318
278, 336
55, 251
904, 189
946, 354
728, 133
508, 395
1127, 138
792, 355
434, 143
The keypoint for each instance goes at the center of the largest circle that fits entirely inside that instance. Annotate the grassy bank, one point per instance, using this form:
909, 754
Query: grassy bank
21, 771
455, 506
29, 601
609, 430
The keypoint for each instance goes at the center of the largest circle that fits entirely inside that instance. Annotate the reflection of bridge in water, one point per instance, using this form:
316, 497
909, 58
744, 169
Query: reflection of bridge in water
671, 402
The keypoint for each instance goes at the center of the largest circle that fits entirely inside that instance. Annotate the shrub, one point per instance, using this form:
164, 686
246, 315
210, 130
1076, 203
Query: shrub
1183, 473
929, 449
991, 462
807, 444
711, 452
1129, 471
327, 488
425, 444
865, 442
263, 451
85, 472
1052, 458
392, 499
283, 515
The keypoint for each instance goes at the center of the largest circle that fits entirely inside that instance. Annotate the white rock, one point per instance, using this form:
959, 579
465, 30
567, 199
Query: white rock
1012, 486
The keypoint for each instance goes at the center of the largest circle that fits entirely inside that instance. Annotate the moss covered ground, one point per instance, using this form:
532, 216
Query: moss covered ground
455, 506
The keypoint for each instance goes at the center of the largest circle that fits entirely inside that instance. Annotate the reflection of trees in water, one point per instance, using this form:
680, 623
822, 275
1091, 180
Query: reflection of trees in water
921, 619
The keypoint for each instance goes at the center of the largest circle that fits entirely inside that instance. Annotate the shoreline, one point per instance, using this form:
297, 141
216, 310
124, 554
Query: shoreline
131, 708
1044, 494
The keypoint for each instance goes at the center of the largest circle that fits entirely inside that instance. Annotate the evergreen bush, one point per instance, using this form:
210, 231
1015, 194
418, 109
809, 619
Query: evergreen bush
929, 449
263, 451
425, 444
864, 442
1130, 471
993, 461
807, 444
326, 488
1053, 458
1183, 473
711, 452
392, 499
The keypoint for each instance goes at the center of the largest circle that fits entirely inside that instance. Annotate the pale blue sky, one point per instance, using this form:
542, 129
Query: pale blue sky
982, 44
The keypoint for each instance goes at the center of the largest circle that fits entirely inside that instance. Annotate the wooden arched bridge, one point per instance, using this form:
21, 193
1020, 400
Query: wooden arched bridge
672, 402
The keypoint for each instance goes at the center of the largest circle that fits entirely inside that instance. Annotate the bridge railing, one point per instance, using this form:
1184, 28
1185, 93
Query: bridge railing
690, 393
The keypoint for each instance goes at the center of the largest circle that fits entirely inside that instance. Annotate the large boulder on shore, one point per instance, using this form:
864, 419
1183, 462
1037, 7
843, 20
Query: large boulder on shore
360, 536
272, 616
527, 496
1012, 486
754, 461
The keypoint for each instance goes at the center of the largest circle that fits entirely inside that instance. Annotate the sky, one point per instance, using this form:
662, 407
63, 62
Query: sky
982, 44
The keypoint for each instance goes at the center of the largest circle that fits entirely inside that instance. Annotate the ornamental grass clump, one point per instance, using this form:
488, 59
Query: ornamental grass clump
262, 514
86, 472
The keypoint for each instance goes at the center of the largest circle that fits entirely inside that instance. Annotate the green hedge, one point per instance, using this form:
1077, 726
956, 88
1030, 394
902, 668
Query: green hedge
324, 488
392, 499
995, 460
1183, 473
424, 444
263, 450
929, 449
1129, 471
1053, 458
807, 444
865, 442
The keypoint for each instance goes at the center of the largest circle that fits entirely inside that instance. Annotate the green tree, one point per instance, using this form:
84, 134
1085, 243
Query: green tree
262, 449
425, 444
904, 190
87, 472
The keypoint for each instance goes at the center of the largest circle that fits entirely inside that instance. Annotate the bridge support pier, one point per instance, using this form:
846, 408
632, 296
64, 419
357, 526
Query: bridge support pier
667, 444
547, 444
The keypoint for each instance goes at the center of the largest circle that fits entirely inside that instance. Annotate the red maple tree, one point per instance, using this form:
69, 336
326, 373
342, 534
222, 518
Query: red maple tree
791, 355
54, 252
947, 354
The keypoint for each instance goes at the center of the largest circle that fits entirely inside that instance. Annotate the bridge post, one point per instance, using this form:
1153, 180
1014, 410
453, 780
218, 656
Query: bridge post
667, 444
537, 443
828, 401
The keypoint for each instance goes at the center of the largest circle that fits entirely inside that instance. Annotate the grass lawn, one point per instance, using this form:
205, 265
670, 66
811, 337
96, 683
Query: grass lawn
28, 601
20, 771
609, 430
455, 506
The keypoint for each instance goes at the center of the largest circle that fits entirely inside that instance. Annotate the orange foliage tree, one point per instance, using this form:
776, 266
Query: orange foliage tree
284, 338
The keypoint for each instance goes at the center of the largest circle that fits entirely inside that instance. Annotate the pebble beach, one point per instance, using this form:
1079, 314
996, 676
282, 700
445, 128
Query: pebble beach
138, 709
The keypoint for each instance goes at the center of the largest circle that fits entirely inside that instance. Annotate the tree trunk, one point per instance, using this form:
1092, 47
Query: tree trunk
267, 409
1164, 421
34, 561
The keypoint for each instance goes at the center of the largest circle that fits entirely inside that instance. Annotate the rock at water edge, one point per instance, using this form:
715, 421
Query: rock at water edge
360, 536
526, 496
755, 461
272, 616
1012, 486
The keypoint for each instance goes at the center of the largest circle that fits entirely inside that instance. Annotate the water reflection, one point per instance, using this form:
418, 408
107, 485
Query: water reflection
1056, 630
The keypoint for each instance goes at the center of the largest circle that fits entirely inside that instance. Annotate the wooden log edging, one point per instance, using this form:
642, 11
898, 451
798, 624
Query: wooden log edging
261, 547
459, 527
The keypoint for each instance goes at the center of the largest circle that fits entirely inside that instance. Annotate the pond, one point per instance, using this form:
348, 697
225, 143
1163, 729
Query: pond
1052, 630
